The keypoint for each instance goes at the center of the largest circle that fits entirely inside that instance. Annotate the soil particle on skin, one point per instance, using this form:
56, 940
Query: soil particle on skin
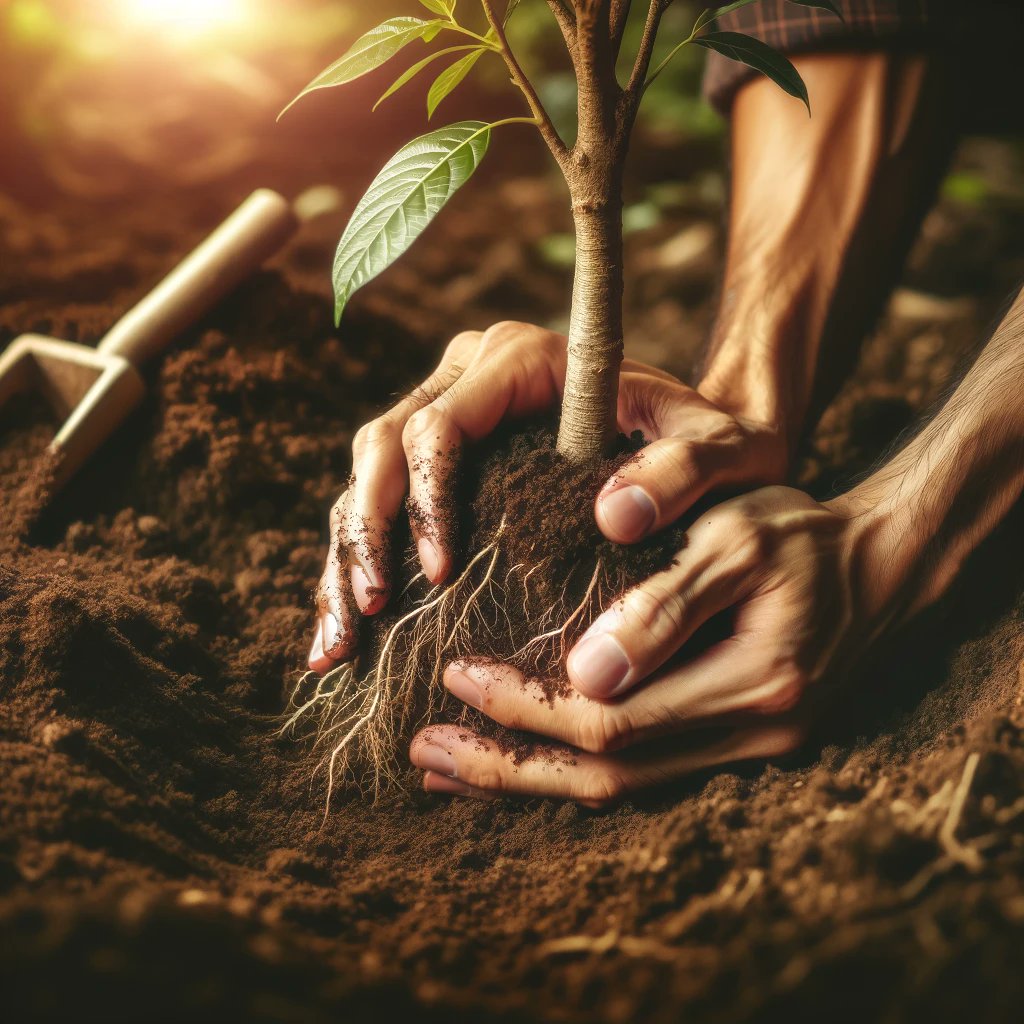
163, 851
531, 571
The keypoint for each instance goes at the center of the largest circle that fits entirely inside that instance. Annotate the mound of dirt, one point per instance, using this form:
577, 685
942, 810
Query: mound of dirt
163, 852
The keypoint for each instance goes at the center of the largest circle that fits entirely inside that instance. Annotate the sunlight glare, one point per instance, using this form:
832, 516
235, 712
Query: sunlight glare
185, 17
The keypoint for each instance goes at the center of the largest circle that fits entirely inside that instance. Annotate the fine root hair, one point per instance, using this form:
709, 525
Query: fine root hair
520, 614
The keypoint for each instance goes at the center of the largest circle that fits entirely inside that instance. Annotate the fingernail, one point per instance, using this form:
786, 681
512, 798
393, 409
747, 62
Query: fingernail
464, 688
433, 758
331, 637
628, 512
429, 558
434, 783
363, 589
318, 661
316, 652
599, 666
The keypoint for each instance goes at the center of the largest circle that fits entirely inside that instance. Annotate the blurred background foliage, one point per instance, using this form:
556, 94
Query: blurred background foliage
113, 109
95, 95
115, 101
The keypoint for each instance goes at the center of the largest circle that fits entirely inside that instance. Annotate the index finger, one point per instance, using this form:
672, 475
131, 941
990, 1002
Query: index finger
517, 371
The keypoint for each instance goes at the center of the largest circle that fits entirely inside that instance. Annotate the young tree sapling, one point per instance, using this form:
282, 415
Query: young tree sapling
420, 179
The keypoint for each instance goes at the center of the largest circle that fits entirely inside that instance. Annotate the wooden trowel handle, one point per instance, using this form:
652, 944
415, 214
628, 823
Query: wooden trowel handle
253, 233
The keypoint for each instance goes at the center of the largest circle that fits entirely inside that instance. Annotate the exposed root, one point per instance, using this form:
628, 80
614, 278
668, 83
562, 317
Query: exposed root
956, 850
559, 634
538, 574
946, 805
360, 720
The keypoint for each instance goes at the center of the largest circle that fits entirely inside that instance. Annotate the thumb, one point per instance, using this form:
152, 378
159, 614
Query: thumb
658, 484
646, 626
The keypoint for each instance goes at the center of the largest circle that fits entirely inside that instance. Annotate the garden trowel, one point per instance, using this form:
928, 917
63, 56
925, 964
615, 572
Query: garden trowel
96, 388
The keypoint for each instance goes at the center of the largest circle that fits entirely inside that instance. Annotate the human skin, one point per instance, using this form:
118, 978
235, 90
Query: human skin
820, 211
811, 588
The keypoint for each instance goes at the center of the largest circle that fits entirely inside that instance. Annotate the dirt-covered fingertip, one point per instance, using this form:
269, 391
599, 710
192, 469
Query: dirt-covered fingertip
434, 560
433, 782
369, 590
317, 660
486, 673
444, 736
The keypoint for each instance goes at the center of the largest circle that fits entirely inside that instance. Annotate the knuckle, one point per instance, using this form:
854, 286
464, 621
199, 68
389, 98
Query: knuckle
752, 546
783, 693
602, 786
421, 425
487, 777
730, 520
599, 730
372, 435
686, 462
737, 534
503, 332
464, 343
727, 434
655, 611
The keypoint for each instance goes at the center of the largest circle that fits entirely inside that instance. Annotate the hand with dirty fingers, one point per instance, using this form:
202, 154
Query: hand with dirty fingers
810, 589
513, 371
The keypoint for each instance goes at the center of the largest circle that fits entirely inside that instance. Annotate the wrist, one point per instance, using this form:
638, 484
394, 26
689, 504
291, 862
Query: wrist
750, 386
912, 525
882, 555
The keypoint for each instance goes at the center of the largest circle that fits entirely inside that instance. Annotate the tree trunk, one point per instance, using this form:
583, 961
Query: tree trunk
588, 423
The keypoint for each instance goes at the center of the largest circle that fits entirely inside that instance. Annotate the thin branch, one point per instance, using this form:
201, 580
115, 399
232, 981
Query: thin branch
635, 88
598, 89
547, 129
566, 21
617, 22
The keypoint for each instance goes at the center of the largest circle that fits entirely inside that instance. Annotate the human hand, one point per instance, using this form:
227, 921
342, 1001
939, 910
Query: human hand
515, 370
809, 588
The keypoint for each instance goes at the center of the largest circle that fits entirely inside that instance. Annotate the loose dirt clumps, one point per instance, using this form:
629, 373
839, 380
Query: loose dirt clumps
534, 571
163, 853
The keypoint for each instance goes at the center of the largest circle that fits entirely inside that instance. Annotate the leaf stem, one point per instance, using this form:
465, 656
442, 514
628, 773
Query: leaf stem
664, 63
499, 124
512, 120
482, 40
540, 115
708, 15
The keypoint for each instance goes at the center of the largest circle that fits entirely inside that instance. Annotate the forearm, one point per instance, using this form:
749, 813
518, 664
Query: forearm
821, 214
918, 518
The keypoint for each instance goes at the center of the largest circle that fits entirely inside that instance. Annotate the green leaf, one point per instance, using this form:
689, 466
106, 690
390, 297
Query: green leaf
823, 5
445, 7
759, 56
402, 200
450, 78
711, 13
412, 72
371, 50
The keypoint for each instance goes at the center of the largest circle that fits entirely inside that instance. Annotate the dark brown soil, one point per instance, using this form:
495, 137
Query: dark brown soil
164, 856
532, 571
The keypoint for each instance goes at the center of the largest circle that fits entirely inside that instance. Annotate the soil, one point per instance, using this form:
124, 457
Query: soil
163, 853
532, 571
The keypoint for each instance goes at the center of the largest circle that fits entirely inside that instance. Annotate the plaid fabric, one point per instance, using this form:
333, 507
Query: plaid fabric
866, 25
